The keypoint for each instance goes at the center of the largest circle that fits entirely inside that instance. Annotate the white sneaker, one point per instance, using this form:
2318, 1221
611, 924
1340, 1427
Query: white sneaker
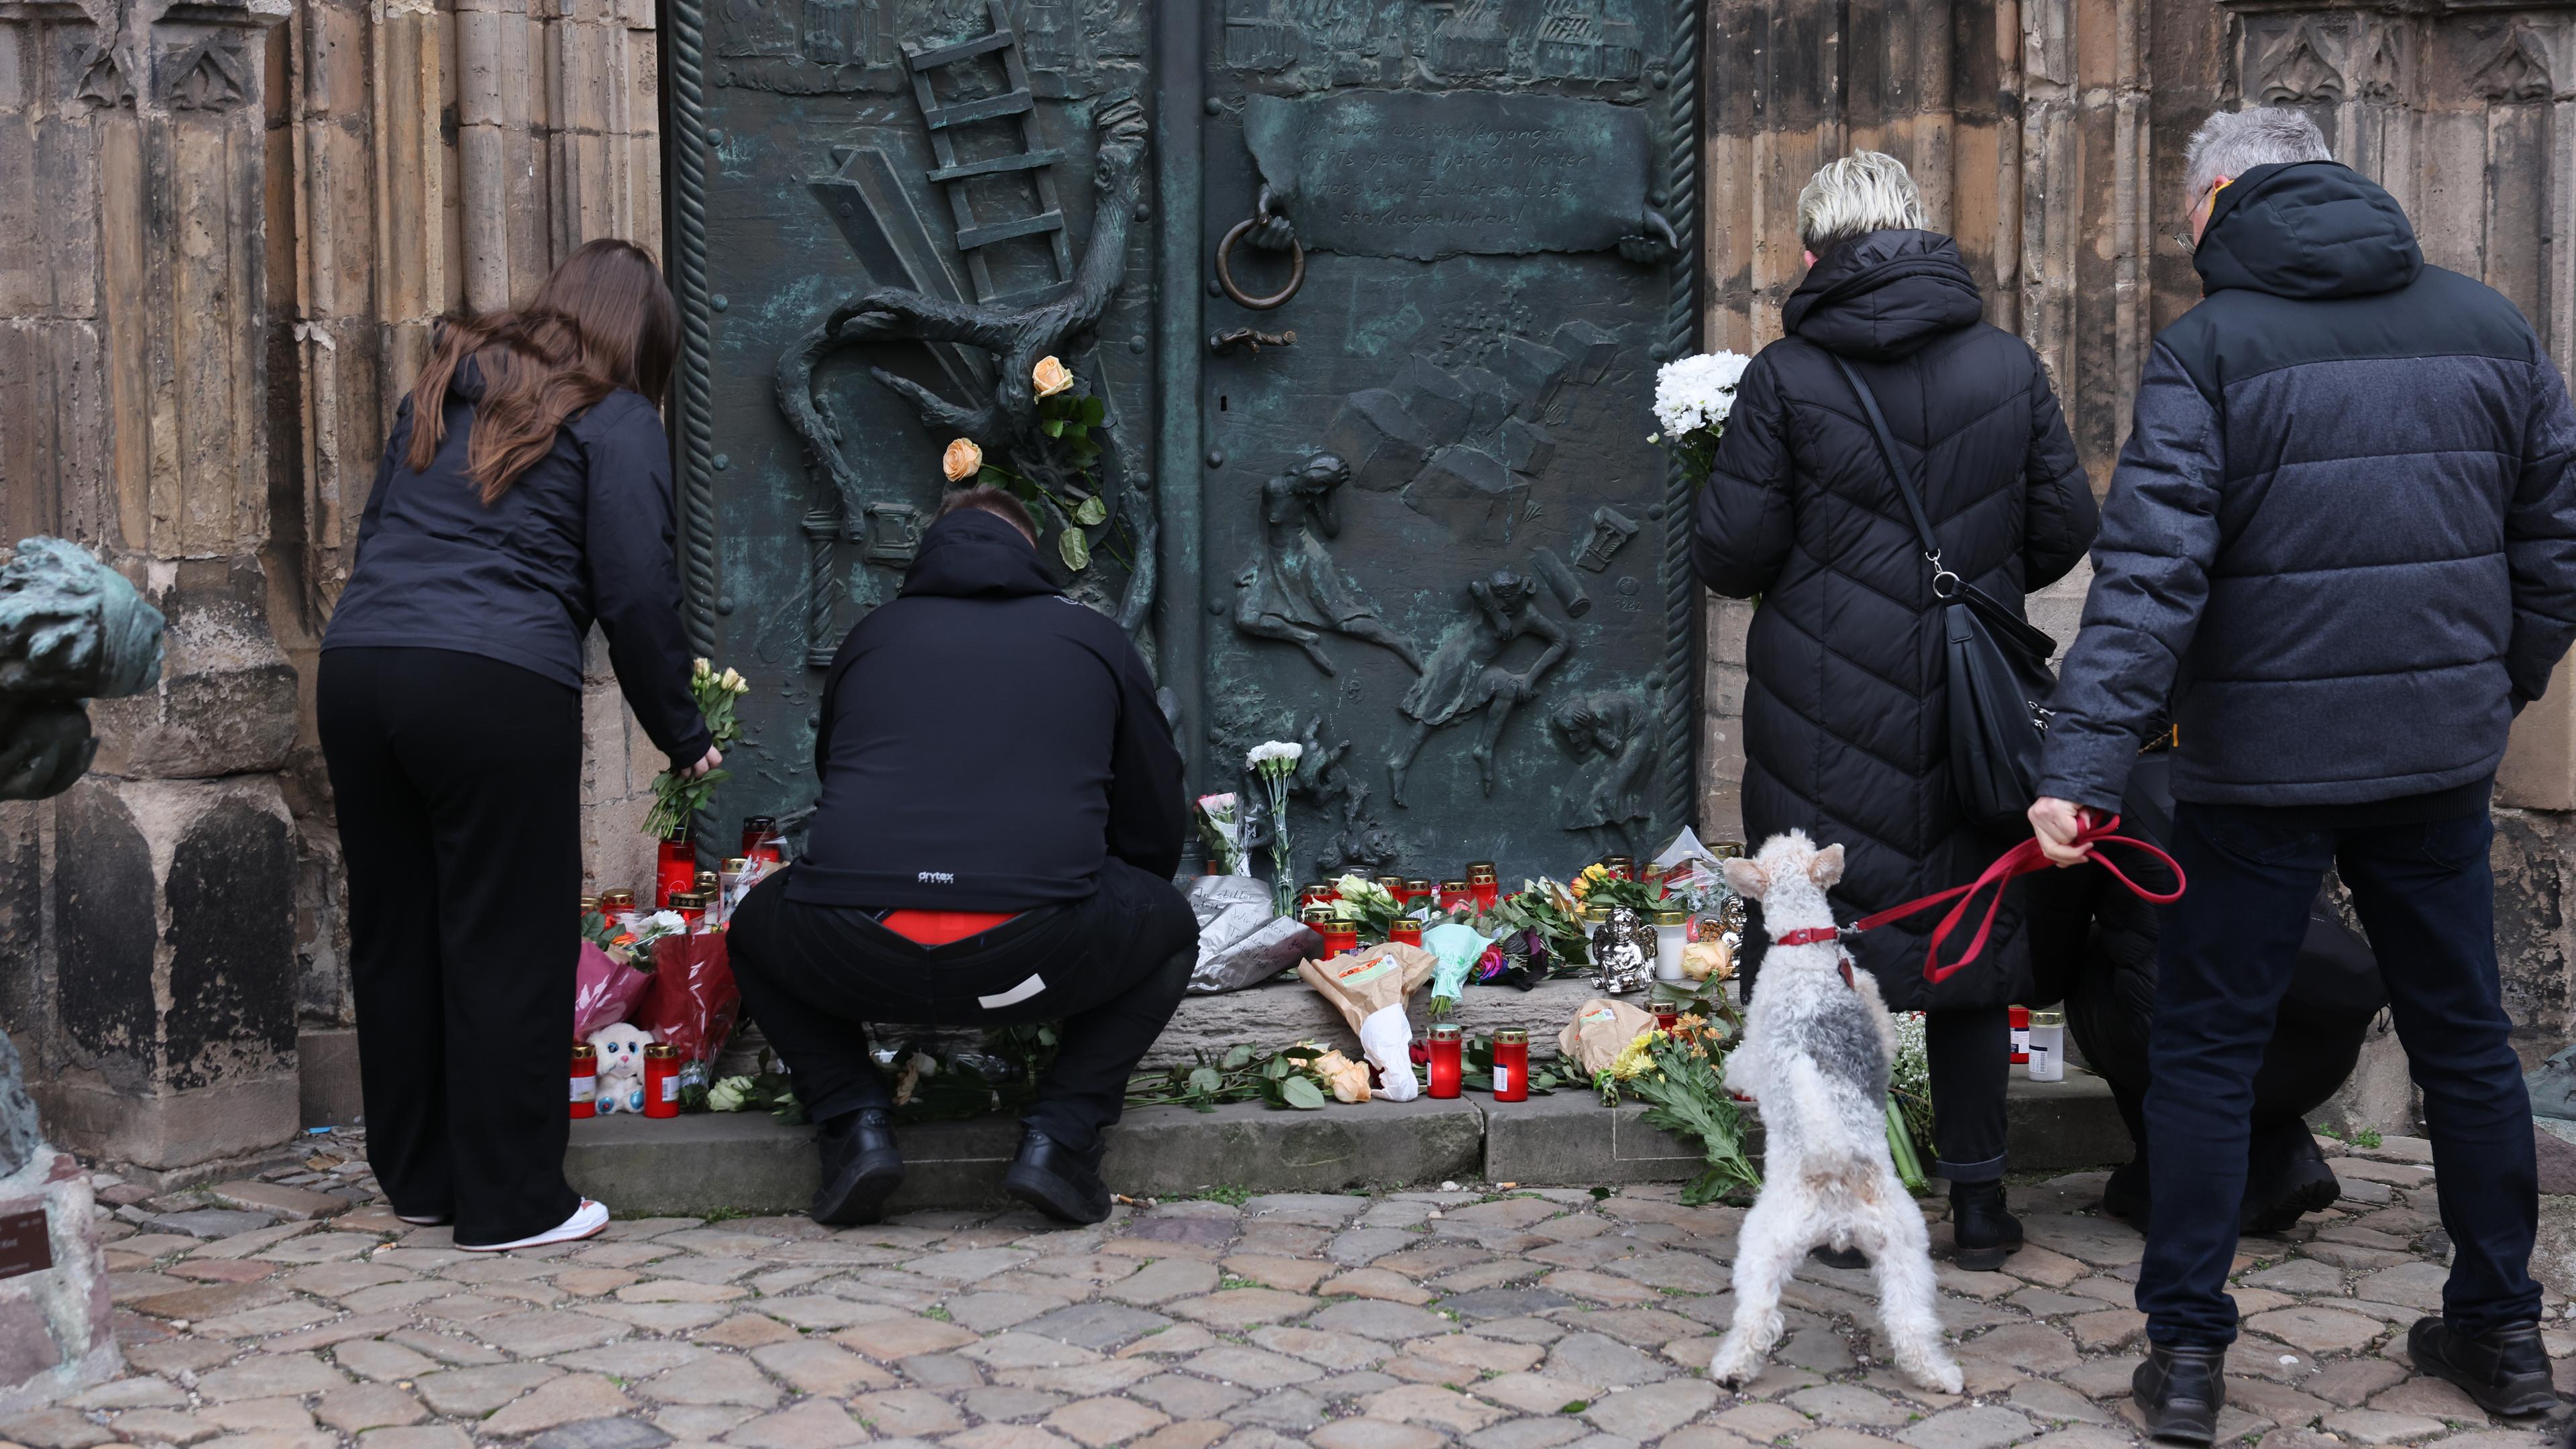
587, 1221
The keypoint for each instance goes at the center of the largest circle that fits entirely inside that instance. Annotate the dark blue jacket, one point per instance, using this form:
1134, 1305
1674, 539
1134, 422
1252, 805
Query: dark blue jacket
585, 533
987, 742
2342, 535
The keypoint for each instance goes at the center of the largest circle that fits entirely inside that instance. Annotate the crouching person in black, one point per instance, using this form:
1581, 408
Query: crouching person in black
1001, 817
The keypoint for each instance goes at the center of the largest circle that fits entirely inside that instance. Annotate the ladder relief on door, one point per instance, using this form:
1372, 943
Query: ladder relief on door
1014, 106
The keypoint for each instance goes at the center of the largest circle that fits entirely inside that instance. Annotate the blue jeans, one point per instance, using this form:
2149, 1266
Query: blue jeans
2426, 897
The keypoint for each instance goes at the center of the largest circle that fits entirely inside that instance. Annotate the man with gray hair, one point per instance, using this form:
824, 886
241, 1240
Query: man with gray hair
2342, 540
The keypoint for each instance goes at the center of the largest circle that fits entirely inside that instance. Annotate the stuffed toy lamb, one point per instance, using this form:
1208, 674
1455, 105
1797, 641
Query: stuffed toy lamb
621, 1066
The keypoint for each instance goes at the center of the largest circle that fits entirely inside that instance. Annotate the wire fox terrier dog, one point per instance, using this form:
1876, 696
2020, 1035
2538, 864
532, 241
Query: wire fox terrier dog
1817, 1048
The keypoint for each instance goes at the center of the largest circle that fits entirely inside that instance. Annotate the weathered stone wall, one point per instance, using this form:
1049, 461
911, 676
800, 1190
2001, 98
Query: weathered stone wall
225, 230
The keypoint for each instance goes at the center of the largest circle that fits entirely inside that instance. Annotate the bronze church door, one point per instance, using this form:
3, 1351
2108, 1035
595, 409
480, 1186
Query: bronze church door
1363, 301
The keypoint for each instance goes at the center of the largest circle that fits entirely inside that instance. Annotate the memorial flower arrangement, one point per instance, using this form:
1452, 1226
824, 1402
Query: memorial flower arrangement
1548, 910
1275, 761
1680, 1074
675, 800
1596, 886
1220, 819
1066, 417
1693, 397
1909, 1101
1302, 1077
1365, 904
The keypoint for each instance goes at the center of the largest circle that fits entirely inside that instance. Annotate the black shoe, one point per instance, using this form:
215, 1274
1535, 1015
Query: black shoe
2289, 1179
2506, 1371
861, 1168
1058, 1181
1833, 1257
1985, 1233
2178, 1391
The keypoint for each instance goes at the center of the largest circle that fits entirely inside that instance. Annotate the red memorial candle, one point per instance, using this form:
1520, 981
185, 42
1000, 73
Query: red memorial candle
1448, 1058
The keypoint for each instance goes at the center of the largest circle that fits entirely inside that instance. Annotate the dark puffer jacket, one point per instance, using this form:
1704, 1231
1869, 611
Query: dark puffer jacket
1845, 731
2343, 532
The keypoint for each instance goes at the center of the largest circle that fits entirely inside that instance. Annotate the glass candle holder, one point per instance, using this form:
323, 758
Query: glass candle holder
1448, 1058
691, 907
1672, 933
2020, 1019
2048, 1046
1418, 893
1511, 1065
1454, 895
1621, 867
585, 1079
661, 1080
1406, 931
1667, 1012
1340, 938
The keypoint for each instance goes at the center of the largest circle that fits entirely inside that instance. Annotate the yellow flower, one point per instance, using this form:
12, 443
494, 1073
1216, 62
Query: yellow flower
962, 461
700, 669
1635, 1058
1051, 377
735, 682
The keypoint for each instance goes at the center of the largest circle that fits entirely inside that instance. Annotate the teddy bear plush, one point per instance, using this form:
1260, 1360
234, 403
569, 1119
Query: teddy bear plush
621, 1066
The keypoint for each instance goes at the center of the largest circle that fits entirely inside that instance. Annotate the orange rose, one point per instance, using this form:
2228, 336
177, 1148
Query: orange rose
1051, 377
962, 461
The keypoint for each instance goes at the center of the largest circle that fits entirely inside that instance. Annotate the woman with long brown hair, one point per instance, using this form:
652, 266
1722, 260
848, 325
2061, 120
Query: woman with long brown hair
525, 492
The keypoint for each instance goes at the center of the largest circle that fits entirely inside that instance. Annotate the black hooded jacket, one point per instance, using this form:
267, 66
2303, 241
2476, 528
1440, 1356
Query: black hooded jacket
2342, 536
1845, 731
986, 742
585, 533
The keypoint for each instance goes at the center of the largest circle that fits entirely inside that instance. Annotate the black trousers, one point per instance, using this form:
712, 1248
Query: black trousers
458, 782
2225, 956
1110, 969
1969, 1051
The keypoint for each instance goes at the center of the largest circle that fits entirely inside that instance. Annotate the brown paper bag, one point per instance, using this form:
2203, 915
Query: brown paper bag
1369, 979
1600, 1030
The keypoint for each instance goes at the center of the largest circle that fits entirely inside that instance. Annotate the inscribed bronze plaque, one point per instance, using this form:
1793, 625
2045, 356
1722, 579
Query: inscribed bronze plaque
25, 1244
1459, 173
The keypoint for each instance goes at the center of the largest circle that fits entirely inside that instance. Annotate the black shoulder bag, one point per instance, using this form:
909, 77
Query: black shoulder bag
1998, 665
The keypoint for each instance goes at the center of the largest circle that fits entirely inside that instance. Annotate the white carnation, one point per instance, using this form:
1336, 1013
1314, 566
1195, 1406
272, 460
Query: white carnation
1280, 750
667, 923
1693, 393
1219, 806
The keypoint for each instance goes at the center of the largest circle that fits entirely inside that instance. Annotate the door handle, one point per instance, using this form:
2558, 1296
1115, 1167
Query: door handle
1250, 341
1261, 216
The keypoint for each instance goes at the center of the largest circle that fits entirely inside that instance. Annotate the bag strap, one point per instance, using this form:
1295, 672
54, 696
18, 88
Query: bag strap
1945, 584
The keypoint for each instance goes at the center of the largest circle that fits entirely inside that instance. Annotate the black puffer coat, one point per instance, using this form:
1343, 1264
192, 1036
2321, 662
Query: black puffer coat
1845, 734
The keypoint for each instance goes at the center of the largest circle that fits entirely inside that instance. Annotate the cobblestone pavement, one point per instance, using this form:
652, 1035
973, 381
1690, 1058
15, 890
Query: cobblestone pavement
1503, 1318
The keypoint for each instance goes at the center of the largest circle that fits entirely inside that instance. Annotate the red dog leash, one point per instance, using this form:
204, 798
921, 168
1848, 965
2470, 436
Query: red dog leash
2023, 859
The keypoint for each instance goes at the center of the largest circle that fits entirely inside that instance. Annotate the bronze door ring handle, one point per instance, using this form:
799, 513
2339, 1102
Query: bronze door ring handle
1225, 269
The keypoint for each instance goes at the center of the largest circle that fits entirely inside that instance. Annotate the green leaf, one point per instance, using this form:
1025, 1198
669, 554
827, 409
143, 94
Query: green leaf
1275, 1068
1236, 1057
1093, 412
1074, 549
1052, 427
991, 477
1205, 1079
1092, 512
1303, 1094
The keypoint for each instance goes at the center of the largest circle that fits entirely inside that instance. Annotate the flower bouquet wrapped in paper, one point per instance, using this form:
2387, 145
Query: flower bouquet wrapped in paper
1369, 987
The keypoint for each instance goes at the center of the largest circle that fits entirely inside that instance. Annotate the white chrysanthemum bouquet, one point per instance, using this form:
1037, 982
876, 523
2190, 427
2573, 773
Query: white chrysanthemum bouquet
1693, 396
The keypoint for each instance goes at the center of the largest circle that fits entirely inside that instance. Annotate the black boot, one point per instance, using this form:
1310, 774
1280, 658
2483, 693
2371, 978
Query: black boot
2179, 1389
1985, 1233
2286, 1178
2506, 1371
1833, 1257
861, 1168
1058, 1181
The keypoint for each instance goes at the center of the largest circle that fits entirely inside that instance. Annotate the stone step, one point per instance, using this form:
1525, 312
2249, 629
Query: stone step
748, 1162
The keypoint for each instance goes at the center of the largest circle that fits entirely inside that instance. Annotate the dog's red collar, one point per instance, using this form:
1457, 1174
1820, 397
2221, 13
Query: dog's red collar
1817, 936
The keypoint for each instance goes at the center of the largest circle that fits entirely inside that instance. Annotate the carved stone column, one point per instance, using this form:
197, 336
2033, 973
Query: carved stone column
133, 159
